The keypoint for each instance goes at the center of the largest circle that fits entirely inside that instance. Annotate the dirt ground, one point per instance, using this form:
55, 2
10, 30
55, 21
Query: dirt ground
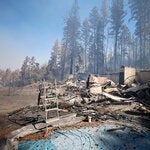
12, 99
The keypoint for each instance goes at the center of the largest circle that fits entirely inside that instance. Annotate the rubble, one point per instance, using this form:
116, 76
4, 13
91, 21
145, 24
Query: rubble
143, 76
115, 98
98, 97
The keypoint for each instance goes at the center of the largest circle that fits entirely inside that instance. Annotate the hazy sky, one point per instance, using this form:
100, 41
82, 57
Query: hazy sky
30, 27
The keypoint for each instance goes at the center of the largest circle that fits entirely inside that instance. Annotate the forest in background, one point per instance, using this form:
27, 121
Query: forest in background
100, 44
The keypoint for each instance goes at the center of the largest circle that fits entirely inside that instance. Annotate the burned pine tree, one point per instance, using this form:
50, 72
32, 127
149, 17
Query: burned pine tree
53, 67
140, 13
117, 19
85, 37
97, 36
71, 37
125, 43
93, 19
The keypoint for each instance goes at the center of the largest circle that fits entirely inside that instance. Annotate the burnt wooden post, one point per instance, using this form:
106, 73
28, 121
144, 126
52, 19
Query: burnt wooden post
121, 75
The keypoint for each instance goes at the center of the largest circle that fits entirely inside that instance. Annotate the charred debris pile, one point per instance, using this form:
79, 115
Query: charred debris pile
97, 98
